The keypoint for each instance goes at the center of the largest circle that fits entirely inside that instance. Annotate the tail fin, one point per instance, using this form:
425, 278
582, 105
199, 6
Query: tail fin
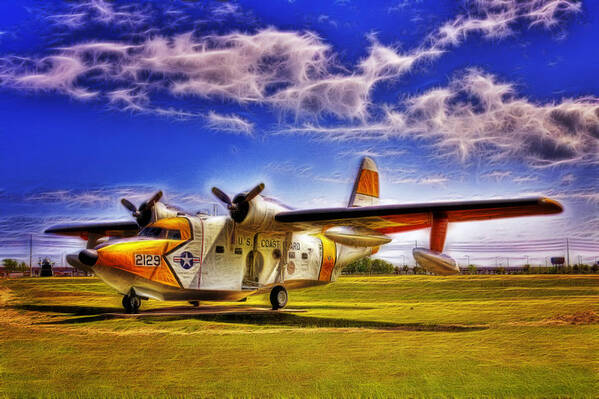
366, 186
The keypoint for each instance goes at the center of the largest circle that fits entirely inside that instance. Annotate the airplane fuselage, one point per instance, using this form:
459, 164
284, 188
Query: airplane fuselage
202, 258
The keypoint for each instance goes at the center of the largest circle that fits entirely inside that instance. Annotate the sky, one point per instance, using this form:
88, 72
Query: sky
455, 100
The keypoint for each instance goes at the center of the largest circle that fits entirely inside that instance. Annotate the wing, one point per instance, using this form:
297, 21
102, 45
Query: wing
112, 229
397, 218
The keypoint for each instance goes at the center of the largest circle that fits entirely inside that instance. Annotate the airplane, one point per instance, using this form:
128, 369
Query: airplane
265, 246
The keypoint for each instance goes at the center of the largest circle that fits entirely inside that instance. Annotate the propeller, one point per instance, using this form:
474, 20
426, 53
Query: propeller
240, 205
143, 214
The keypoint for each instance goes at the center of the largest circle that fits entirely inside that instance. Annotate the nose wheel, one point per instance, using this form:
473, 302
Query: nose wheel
278, 297
131, 303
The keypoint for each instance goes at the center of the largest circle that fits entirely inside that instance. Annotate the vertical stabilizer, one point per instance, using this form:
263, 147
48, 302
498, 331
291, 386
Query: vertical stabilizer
366, 186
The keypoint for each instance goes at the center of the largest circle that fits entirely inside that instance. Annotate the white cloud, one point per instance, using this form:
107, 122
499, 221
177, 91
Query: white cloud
497, 175
495, 19
568, 178
102, 12
373, 152
109, 197
298, 73
433, 180
590, 196
479, 116
524, 179
229, 123
335, 178
291, 71
289, 168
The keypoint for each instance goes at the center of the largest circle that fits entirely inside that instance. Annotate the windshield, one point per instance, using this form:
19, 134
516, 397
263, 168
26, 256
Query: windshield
159, 232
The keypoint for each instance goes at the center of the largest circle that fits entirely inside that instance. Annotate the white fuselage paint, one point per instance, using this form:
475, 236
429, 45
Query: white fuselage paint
224, 261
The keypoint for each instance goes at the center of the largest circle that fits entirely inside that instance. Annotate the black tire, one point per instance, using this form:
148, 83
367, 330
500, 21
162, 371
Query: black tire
278, 297
135, 303
126, 303
131, 303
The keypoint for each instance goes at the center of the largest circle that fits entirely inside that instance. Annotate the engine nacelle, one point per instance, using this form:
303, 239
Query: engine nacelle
162, 211
260, 216
435, 262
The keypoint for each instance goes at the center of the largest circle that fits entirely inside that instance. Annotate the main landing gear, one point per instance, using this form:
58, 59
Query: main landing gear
131, 303
278, 297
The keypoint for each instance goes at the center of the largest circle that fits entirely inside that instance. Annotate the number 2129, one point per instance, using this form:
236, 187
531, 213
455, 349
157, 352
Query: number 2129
147, 260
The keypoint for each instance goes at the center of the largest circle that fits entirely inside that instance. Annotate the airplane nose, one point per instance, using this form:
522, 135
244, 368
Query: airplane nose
88, 257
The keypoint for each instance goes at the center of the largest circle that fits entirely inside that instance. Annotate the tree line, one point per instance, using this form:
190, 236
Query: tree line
13, 265
380, 266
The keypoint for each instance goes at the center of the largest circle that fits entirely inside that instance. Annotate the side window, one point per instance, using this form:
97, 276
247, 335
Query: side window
304, 255
174, 235
151, 232
220, 249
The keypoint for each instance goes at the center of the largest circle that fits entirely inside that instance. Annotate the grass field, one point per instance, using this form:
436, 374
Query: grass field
400, 336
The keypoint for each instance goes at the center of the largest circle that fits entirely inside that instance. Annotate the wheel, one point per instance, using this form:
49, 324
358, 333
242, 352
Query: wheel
278, 297
126, 303
135, 303
131, 303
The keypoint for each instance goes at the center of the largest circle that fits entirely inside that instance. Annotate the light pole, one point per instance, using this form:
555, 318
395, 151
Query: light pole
467, 260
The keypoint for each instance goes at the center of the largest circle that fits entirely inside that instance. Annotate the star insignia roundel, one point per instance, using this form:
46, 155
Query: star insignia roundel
186, 259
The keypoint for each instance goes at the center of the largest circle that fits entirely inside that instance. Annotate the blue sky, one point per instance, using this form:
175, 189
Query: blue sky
455, 100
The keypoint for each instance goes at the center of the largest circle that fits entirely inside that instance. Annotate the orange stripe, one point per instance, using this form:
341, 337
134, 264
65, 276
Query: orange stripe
368, 184
329, 255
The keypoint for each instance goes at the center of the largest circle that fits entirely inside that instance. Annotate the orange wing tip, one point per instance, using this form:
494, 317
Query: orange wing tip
550, 205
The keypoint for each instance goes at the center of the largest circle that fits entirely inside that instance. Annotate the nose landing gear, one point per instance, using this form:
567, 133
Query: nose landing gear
278, 297
131, 303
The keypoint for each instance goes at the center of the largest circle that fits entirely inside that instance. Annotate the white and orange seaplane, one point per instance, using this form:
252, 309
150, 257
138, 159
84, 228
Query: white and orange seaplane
263, 245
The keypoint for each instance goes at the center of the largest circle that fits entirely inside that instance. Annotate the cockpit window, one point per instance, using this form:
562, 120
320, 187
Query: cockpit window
173, 235
155, 232
159, 232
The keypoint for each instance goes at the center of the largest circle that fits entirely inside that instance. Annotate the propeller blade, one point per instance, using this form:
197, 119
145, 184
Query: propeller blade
155, 198
253, 192
221, 196
127, 204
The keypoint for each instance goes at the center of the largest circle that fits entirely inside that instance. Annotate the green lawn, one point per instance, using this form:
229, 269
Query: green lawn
400, 336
